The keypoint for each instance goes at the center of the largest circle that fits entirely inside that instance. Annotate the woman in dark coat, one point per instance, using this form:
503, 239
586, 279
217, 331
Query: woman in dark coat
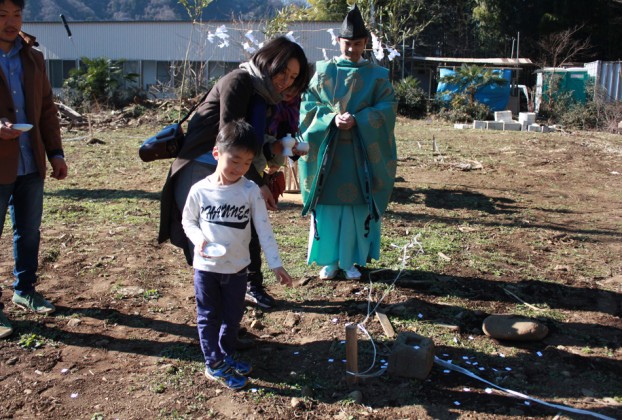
250, 92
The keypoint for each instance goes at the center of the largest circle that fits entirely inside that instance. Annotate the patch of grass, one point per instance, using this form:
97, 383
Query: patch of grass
421, 249
182, 352
547, 312
50, 256
158, 388
31, 341
295, 294
151, 294
180, 375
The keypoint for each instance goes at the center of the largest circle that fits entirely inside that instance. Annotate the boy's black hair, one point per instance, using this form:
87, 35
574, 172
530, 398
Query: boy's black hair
18, 3
237, 134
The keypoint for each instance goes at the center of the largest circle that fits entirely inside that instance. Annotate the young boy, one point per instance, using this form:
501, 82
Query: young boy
219, 210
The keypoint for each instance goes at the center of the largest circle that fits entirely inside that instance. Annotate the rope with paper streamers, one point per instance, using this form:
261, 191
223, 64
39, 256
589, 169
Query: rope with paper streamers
414, 243
221, 34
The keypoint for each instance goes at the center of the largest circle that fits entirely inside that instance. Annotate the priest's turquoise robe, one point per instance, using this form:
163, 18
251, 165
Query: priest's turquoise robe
347, 177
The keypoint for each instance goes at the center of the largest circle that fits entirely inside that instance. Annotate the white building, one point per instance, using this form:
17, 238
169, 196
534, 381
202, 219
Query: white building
156, 50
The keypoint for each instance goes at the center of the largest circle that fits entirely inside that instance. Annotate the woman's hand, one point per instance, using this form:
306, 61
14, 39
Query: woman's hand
268, 198
300, 152
277, 147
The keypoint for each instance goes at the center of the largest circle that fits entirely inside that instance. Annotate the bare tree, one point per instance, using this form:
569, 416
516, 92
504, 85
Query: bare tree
562, 48
559, 49
195, 11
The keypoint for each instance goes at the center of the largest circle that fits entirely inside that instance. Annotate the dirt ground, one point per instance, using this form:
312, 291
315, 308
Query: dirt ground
509, 223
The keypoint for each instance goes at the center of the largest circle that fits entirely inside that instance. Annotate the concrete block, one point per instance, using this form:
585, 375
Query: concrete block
412, 356
503, 116
481, 125
529, 117
512, 126
524, 126
494, 125
534, 127
461, 126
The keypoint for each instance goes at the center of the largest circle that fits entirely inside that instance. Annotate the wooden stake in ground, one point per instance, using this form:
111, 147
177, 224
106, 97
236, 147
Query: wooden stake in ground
385, 324
352, 356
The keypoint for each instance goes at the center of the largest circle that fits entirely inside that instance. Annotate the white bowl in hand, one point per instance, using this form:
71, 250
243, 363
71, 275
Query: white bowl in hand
21, 127
214, 250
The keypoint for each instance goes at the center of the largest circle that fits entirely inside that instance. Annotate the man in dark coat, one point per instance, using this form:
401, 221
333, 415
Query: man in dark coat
29, 133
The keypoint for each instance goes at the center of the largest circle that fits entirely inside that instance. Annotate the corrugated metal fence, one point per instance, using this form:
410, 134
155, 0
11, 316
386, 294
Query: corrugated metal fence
608, 74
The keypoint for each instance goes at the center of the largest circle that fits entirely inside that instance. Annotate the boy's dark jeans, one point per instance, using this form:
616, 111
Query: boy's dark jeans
220, 307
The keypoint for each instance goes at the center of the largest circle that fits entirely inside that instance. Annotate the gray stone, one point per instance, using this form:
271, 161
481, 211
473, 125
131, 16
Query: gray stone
514, 328
356, 397
296, 403
494, 125
528, 117
131, 291
291, 320
412, 356
512, 126
74, 322
479, 125
503, 116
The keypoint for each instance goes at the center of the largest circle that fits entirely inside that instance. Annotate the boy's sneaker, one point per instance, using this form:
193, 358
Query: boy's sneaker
260, 297
227, 376
33, 302
6, 328
240, 367
329, 272
353, 274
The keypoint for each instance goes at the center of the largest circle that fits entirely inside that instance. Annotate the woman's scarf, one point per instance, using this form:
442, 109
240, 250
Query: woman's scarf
262, 83
286, 118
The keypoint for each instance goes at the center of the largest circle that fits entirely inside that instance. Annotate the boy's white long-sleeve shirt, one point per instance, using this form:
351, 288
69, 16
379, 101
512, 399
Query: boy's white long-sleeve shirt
223, 214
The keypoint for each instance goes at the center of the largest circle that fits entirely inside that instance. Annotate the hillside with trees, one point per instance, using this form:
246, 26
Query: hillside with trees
487, 28
461, 28
106, 10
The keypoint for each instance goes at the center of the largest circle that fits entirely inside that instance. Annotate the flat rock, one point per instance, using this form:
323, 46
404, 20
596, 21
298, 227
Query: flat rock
356, 397
514, 328
291, 319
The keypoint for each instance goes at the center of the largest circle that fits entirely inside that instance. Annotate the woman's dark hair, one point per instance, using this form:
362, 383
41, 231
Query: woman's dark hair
272, 58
